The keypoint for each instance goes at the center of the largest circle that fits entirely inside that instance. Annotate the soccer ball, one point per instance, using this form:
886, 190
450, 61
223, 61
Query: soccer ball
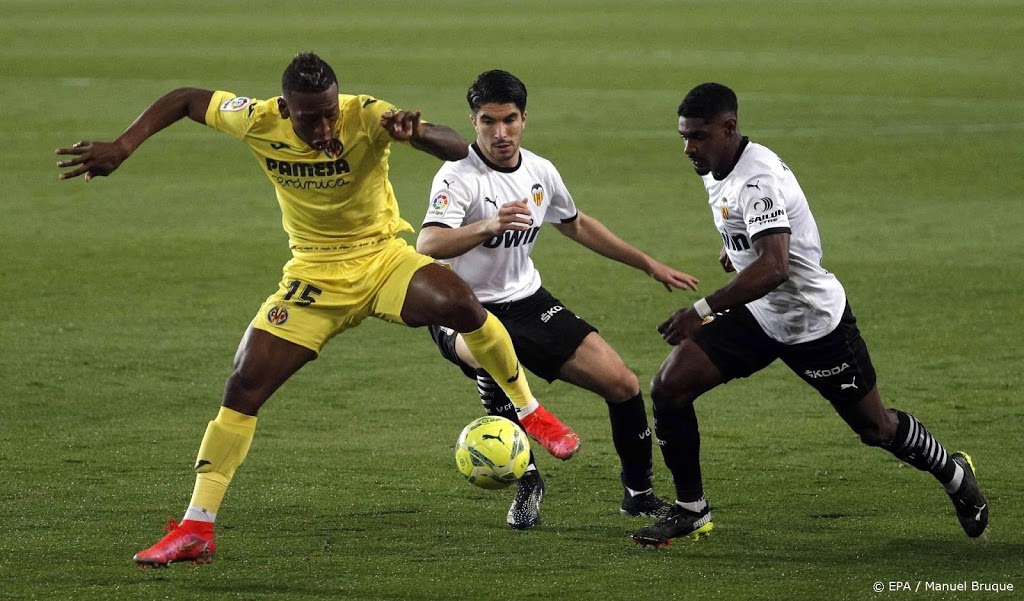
492, 452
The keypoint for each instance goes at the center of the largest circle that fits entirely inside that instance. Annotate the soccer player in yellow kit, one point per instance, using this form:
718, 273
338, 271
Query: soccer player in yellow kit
327, 156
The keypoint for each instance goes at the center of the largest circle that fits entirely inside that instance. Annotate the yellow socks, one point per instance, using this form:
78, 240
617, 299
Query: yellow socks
492, 348
223, 449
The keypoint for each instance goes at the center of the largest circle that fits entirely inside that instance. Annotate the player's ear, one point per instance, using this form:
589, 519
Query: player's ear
283, 107
524, 118
730, 125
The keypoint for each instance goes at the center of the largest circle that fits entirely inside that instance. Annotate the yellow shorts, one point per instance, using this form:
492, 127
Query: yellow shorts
316, 301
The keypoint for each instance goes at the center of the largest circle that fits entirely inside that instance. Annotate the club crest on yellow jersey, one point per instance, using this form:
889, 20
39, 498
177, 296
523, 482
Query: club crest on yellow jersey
334, 149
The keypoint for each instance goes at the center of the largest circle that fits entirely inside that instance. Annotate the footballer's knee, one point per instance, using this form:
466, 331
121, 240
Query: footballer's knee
669, 391
686, 374
872, 436
244, 392
436, 296
621, 386
870, 419
878, 432
462, 311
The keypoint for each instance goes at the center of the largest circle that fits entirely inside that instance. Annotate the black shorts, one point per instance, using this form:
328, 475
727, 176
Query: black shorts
837, 365
544, 333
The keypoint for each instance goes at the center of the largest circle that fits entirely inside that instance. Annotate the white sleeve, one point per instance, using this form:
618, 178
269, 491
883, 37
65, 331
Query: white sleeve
449, 201
562, 208
764, 206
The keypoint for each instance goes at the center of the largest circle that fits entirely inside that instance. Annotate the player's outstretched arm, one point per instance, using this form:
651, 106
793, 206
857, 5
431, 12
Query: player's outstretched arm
95, 159
447, 242
593, 234
439, 140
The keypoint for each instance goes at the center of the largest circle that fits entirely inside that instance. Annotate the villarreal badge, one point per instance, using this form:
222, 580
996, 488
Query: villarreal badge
277, 315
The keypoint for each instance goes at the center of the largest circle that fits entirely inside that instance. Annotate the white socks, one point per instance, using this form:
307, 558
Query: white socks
530, 407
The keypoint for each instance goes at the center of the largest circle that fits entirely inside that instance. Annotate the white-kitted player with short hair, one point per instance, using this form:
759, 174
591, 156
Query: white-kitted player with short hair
782, 304
484, 218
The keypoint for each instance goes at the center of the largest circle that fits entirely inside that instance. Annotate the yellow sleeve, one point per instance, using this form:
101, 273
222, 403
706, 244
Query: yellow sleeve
230, 113
371, 110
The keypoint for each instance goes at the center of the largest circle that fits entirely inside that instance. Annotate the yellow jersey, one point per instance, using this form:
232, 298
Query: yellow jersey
335, 203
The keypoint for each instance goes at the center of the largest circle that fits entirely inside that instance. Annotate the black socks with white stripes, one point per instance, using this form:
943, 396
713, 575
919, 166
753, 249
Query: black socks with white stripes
916, 446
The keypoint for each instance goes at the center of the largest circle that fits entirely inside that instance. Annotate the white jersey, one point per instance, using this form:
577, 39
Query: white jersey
759, 197
470, 190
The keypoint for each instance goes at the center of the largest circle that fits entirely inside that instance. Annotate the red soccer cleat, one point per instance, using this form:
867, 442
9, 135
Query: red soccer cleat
188, 541
551, 433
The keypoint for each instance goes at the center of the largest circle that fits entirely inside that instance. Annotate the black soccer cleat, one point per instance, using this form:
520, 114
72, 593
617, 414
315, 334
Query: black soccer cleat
970, 504
677, 524
525, 510
647, 505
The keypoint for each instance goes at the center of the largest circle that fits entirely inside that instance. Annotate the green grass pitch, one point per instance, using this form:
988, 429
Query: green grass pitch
124, 300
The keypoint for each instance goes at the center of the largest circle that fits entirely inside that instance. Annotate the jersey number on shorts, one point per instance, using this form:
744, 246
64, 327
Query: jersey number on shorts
306, 298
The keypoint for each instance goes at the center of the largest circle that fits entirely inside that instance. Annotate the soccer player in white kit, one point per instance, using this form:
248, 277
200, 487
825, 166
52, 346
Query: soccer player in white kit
484, 217
782, 304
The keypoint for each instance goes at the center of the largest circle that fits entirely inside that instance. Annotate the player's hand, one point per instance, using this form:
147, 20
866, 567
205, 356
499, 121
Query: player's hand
94, 159
401, 125
513, 215
672, 278
725, 261
680, 326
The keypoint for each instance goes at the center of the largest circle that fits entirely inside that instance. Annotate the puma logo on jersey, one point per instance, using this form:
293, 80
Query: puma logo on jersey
754, 185
490, 200
852, 384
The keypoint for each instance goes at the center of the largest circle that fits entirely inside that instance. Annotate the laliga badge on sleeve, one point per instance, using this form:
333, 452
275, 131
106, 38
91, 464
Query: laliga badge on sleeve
235, 104
439, 204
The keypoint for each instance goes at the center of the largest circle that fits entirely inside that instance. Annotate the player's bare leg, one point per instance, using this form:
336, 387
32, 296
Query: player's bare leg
262, 364
595, 366
686, 373
436, 296
902, 435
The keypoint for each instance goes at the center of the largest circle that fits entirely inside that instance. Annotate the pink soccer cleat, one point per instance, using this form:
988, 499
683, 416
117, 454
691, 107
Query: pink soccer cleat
551, 433
188, 541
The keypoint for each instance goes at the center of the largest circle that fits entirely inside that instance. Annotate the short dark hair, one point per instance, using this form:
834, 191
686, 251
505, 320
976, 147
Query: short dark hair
307, 73
499, 87
707, 101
